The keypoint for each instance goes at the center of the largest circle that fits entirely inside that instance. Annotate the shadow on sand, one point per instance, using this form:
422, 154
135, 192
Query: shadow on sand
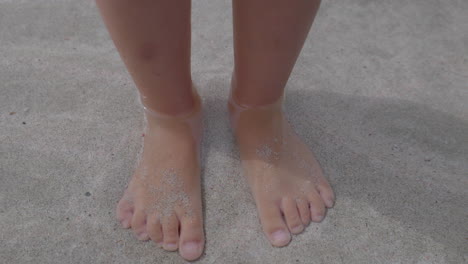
405, 160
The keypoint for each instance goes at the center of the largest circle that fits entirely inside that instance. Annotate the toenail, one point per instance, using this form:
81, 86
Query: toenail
280, 237
125, 223
319, 218
329, 203
170, 247
297, 229
143, 236
191, 248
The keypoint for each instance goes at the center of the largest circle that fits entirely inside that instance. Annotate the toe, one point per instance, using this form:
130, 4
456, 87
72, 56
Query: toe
170, 228
139, 225
273, 224
154, 228
125, 212
304, 211
293, 220
191, 238
317, 207
326, 193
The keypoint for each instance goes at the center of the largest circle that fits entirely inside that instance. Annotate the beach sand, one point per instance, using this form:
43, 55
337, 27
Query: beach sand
380, 93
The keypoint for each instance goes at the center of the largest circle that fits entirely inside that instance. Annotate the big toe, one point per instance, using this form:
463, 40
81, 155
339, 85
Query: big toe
191, 250
280, 238
191, 238
273, 224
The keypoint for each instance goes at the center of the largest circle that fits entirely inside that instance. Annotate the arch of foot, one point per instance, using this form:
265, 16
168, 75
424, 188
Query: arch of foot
162, 202
285, 178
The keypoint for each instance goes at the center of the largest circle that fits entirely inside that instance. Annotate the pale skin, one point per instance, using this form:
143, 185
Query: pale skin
163, 200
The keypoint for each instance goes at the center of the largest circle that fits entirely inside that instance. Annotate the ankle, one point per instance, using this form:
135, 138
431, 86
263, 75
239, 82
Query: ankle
181, 123
179, 101
253, 115
184, 111
247, 94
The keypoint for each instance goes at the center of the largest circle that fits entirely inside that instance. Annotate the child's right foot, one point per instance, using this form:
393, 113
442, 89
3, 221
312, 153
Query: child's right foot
163, 199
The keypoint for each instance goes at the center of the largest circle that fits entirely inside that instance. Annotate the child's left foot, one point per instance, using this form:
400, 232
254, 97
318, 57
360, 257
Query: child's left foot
285, 178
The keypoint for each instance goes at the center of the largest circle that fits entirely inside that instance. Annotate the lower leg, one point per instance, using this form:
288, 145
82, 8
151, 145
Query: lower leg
285, 178
163, 198
268, 37
153, 39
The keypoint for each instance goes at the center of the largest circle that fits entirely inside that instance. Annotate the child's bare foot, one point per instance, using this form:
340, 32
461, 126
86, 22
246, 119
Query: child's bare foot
285, 178
163, 199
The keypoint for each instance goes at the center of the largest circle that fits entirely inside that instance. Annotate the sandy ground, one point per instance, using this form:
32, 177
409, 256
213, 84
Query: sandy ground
380, 93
